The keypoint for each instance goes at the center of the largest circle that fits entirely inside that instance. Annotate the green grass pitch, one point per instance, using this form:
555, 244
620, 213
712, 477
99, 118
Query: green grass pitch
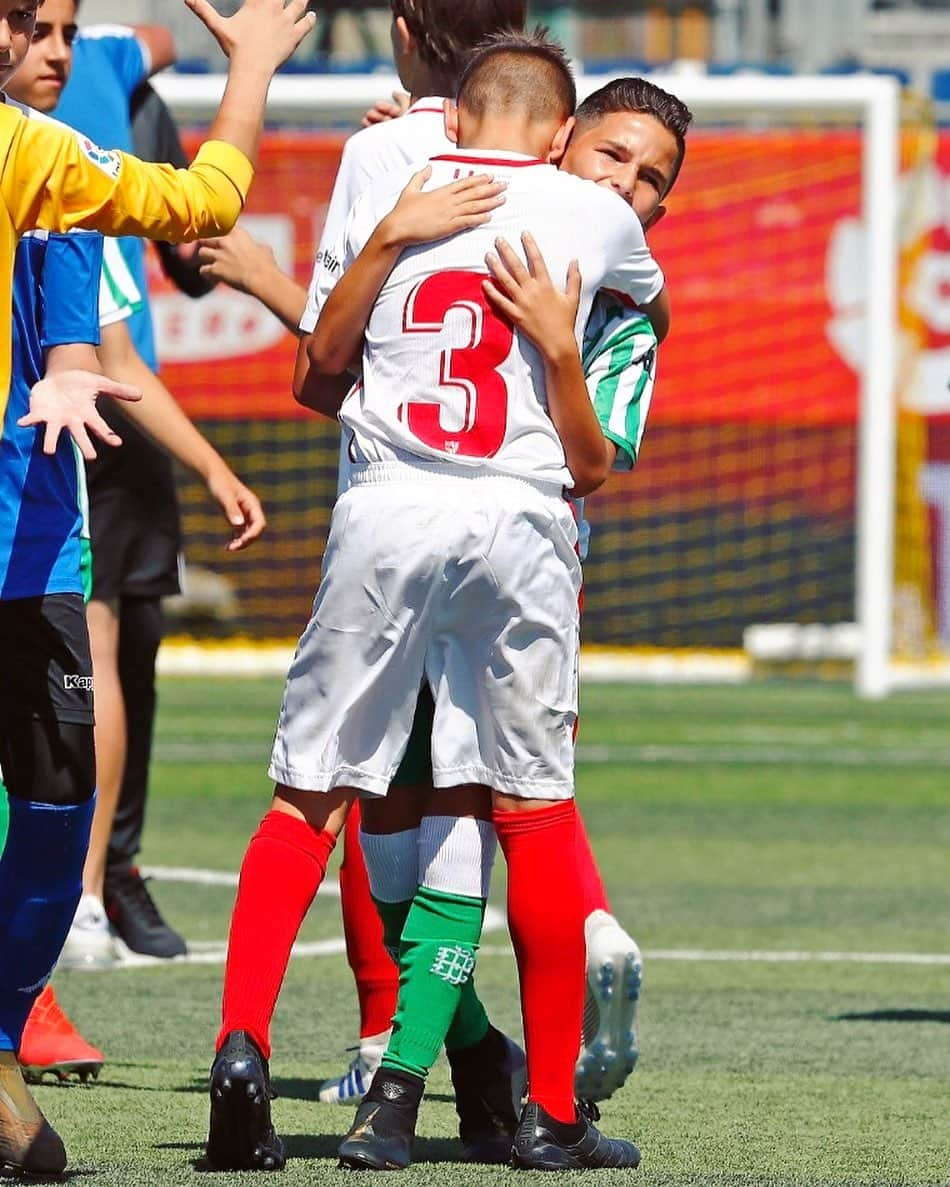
757, 820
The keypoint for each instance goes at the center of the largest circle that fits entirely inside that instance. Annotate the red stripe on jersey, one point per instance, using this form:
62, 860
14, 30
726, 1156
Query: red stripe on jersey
428, 110
514, 164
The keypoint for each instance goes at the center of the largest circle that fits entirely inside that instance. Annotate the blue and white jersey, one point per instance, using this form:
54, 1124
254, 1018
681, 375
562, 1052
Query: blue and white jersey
109, 64
55, 302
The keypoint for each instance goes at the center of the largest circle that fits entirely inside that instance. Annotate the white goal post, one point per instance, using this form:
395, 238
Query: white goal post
871, 102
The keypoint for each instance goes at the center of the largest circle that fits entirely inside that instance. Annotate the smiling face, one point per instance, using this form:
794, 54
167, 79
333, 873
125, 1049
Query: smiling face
631, 153
17, 18
40, 80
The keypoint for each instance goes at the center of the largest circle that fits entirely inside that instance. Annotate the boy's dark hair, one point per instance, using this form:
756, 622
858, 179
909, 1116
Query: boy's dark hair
519, 71
446, 31
640, 95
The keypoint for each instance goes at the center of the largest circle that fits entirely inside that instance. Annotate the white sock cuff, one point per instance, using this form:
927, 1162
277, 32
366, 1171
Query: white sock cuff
392, 863
456, 855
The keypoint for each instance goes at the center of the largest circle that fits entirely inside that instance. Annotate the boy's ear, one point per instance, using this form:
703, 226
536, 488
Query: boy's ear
407, 43
560, 142
657, 216
451, 111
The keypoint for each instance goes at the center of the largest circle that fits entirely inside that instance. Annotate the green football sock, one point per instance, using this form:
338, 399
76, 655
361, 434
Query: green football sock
436, 958
4, 817
470, 1024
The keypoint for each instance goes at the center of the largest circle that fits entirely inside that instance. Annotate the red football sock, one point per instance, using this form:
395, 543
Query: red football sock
377, 977
281, 872
592, 886
546, 919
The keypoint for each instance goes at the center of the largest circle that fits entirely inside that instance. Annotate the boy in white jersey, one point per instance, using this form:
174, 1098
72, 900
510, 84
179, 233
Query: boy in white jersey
382, 1143
613, 149
480, 599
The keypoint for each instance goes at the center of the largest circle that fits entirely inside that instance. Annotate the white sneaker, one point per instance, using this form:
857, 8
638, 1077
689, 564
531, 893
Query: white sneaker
610, 1047
354, 1084
89, 944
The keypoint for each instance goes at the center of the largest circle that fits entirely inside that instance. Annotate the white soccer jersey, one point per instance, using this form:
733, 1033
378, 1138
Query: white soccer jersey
444, 378
367, 156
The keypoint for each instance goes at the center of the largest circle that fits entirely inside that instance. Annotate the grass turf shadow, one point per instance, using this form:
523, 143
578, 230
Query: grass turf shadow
896, 1016
312, 1147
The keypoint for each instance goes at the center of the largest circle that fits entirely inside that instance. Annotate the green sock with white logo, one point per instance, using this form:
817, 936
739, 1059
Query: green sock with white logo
436, 958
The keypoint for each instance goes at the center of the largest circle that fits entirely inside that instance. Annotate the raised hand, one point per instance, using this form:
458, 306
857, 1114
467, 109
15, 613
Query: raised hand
270, 30
67, 400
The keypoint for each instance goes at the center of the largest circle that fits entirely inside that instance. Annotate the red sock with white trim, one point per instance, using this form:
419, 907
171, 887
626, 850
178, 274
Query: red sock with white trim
376, 975
546, 919
281, 872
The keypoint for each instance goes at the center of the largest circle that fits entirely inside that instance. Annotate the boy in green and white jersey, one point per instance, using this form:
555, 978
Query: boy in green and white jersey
619, 361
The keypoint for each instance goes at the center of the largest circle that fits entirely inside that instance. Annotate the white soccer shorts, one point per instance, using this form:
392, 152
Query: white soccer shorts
468, 583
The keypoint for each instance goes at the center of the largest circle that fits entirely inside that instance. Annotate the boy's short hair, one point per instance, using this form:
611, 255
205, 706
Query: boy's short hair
446, 31
527, 72
640, 95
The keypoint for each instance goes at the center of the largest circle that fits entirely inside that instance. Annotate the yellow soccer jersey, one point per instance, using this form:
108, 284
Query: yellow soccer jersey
56, 179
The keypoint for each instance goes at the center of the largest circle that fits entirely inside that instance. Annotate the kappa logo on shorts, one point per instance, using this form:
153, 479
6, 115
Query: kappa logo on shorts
77, 683
109, 162
454, 965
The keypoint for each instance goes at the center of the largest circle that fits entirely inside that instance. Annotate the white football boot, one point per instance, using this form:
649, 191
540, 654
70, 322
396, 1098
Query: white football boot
89, 944
353, 1085
610, 1046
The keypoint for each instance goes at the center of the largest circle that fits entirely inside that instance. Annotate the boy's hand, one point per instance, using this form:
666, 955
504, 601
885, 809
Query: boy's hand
528, 298
240, 505
235, 259
267, 29
420, 217
386, 109
67, 400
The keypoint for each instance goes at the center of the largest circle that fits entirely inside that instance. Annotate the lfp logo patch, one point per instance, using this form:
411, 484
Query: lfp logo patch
109, 162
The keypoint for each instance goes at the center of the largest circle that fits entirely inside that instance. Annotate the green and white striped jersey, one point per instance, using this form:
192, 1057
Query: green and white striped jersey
619, 359
119, 295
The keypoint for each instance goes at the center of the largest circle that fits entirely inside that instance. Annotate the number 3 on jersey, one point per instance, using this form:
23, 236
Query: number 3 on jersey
471, 369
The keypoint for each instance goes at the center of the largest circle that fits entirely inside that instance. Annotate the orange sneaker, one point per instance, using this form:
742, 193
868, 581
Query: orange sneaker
52, 1044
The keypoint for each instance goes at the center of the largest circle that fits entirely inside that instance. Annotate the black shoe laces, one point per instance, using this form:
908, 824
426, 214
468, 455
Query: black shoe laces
588, 1110
133, 888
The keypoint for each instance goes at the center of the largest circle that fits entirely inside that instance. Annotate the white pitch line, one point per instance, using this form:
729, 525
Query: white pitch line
791, 957
212, 952
208, 952
195, 877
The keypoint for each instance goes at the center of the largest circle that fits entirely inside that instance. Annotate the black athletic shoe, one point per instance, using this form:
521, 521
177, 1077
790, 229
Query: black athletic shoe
544, 1144
241, 1136
136, 918
380, 1138
489, 1081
